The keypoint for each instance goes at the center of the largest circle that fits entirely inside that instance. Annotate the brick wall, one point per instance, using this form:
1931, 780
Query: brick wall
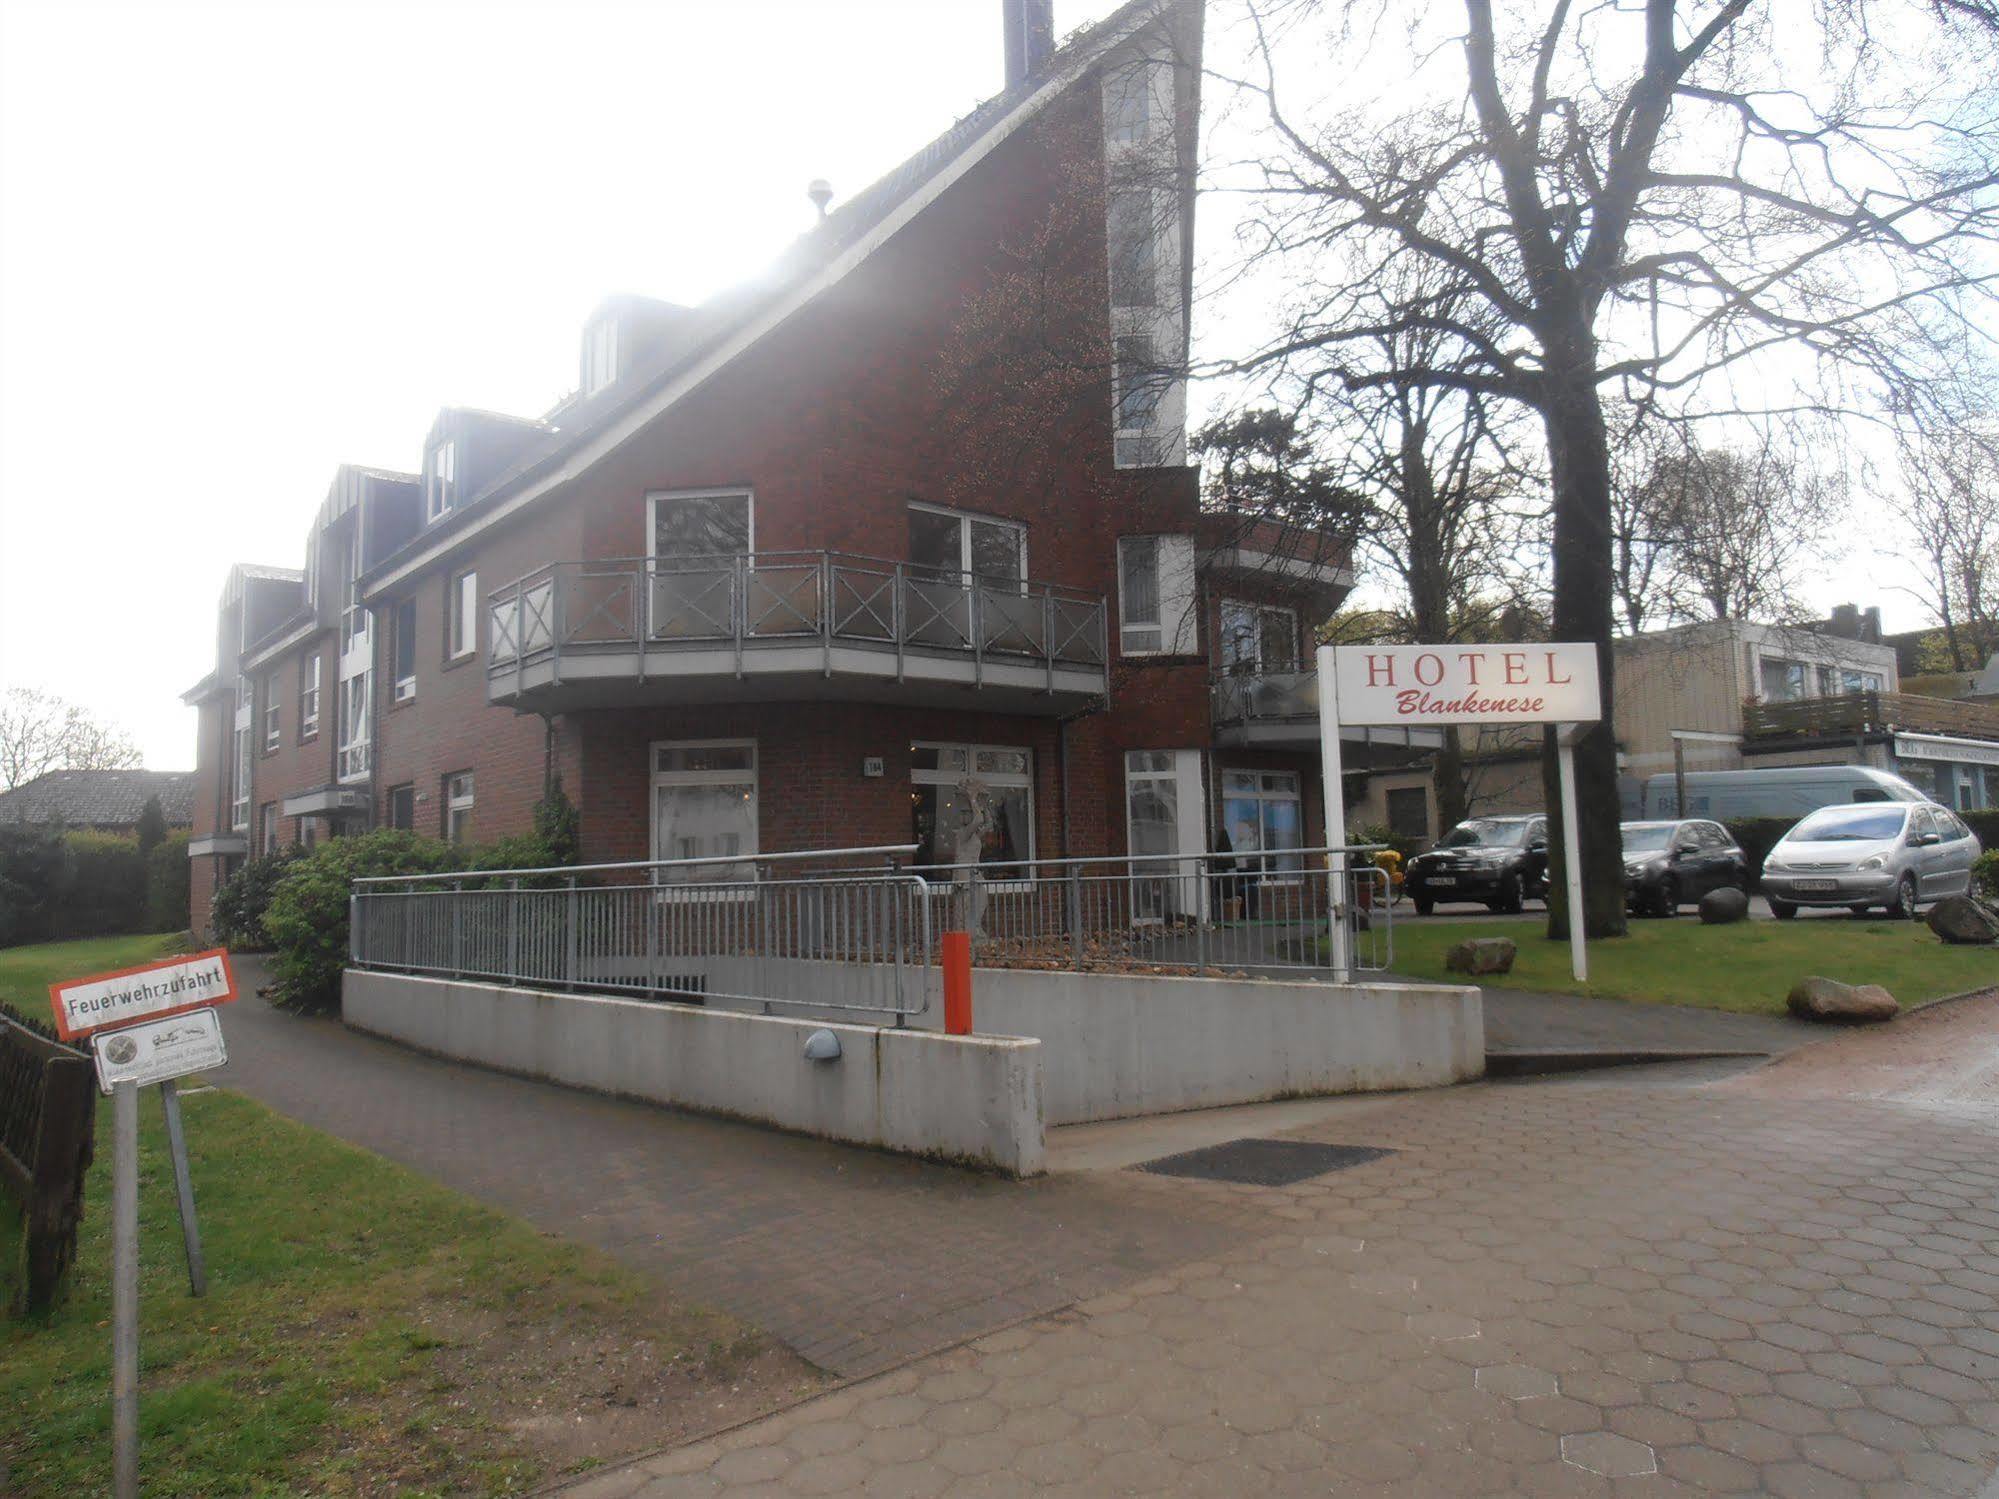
859, 404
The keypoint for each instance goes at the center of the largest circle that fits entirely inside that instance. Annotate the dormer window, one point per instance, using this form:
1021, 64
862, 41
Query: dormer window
440, 476
600, 356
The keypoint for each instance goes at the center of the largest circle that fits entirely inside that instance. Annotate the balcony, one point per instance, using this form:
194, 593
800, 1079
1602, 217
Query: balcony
1856, 715
1280, 710
779, 626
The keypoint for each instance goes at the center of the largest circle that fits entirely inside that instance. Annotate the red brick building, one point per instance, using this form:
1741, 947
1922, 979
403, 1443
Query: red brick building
912, 505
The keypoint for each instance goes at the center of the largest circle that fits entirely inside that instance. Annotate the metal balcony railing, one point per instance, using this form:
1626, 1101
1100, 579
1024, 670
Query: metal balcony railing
746, 599
1855, 713
1270, 696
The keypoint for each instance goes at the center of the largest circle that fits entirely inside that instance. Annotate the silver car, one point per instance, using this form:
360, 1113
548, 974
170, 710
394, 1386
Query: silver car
1897, 855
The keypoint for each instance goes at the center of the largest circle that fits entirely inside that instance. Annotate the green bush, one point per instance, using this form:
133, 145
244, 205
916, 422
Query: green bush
1985, 875
1986, 826
307, 916
167, 885
1758, 835
243, 899
104, 886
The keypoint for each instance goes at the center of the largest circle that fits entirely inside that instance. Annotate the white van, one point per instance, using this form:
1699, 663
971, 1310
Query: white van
1785, 791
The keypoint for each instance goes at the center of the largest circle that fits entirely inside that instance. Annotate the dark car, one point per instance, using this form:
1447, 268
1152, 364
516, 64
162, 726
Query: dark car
1498, 861
1667, 864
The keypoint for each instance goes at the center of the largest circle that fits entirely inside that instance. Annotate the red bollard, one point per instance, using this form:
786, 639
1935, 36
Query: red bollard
957, 983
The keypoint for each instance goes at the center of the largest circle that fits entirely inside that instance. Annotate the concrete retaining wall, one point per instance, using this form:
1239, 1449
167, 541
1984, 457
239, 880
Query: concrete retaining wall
1116, 1045
975, 1099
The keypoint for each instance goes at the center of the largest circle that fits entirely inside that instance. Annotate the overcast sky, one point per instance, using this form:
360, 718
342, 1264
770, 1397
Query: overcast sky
242, 243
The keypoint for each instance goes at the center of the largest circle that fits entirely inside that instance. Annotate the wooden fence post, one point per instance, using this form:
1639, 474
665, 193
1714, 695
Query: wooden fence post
54, 1209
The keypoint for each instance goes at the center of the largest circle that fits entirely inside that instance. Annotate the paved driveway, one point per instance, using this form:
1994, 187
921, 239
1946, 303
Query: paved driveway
1667, 1281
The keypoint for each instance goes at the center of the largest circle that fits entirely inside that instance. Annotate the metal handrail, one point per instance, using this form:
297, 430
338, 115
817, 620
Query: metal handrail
732, 860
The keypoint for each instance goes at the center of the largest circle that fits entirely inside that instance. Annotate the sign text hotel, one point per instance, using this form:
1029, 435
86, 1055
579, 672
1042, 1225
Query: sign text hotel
1441, 684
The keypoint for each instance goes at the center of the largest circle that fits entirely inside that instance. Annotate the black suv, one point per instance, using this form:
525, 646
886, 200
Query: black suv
1501, 861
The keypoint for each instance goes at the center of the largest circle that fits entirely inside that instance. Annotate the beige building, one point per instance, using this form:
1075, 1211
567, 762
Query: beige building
1730, 695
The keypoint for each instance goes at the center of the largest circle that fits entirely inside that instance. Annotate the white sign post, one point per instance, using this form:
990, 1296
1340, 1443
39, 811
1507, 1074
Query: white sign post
150, 1024
1430, 686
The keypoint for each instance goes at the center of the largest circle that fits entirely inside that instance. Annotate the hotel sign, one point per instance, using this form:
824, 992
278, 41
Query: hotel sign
1418, 685
107, 1000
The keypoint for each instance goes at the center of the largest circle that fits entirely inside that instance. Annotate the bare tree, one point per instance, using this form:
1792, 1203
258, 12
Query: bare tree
1950, 508
1734, 528
40, 732
1642, 200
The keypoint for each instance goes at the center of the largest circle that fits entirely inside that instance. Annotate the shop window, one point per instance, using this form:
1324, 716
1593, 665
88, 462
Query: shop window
704, 798
941, 776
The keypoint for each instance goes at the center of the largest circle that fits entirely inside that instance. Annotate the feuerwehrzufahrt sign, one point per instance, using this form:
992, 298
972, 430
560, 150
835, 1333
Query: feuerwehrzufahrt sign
149, 992
1417, 685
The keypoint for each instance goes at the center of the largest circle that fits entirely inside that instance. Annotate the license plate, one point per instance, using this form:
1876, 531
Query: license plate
1443, 879
1816, 884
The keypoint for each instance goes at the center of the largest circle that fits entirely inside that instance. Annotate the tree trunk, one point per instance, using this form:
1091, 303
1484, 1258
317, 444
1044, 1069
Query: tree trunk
1584, 567
1453, 806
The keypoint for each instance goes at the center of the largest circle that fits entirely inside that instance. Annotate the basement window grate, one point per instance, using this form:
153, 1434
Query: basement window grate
1264, 1163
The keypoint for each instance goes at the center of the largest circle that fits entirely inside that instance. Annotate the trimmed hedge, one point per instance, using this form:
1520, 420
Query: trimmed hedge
55, 886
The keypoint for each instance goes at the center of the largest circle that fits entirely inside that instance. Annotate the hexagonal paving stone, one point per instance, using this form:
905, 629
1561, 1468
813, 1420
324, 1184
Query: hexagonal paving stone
1608, 1455
1442, 1327
1516, 1381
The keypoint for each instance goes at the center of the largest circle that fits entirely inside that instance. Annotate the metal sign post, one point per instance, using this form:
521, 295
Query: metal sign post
1427, 686
190, 1230
1572, 848
150, 1024
1336, 820
125, 1291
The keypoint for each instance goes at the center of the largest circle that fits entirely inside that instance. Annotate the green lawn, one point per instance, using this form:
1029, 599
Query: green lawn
362, 1328
1748, 967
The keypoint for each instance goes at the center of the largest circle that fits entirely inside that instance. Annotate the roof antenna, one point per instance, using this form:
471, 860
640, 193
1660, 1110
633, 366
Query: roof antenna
820, 191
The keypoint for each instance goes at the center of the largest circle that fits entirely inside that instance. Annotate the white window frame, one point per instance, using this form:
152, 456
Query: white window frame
1153, 629
274, 715
1173, 583
267, 831
965, 518
461, 606
354, 713
440, 480
1007, 778
399, 634
458, 804
310, 669
657, 778
1258, 667
657, 497
239, 790
1223, 796
1183, 772
389, 806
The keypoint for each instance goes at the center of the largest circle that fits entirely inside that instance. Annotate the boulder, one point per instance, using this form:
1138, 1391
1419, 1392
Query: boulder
1720, 907
1844, 1004
1964, 919
1477, 955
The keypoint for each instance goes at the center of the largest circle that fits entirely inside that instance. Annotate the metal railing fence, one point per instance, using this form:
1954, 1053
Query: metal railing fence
690, 929
1182, 911
737, 929
744, 598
